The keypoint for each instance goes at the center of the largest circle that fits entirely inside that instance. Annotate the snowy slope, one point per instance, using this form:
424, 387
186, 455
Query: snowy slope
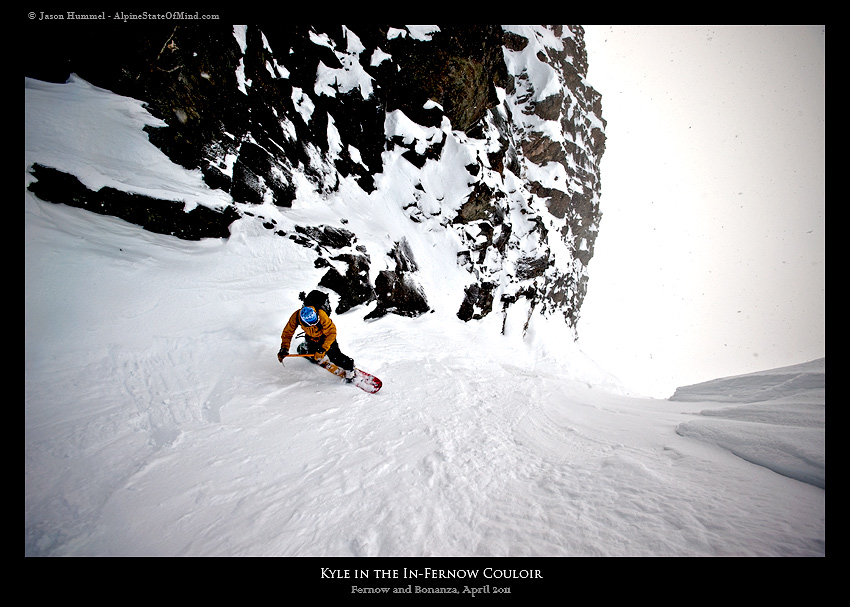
777, 418
159, 422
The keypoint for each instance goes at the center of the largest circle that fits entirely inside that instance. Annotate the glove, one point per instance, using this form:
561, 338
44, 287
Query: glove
282, 354
319, 356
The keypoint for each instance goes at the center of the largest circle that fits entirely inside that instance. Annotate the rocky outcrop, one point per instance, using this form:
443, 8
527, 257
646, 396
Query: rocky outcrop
397, 290
155, 215
263, 110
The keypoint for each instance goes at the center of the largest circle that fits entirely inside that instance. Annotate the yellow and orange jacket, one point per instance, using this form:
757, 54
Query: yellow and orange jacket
323, 332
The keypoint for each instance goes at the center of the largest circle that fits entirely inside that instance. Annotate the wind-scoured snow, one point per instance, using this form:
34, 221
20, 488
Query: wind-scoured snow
158, 420
777, 418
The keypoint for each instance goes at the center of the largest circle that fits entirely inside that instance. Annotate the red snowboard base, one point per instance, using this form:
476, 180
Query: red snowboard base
365, 381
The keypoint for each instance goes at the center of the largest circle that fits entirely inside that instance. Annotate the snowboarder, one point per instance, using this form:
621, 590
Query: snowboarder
319, 331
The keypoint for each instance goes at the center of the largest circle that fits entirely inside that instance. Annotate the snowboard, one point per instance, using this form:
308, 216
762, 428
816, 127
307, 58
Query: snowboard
365, 381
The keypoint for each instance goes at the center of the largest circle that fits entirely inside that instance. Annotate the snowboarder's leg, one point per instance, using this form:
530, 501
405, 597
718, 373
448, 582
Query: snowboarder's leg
308, 347
339, 359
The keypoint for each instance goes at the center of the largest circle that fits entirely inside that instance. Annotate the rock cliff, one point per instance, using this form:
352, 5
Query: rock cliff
270, 112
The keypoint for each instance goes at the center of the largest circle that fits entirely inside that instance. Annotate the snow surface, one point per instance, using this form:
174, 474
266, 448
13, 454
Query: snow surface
158, 420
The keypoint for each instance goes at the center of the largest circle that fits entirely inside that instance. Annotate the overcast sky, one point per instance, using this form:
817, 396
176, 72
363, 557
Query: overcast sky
710, 260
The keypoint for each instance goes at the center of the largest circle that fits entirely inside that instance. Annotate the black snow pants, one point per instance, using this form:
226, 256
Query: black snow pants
334, 354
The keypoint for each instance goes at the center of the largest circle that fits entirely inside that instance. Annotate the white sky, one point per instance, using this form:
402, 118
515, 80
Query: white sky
710, 260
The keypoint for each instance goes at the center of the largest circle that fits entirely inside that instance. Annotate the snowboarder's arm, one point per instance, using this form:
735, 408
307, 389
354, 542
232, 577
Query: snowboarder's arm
289, 331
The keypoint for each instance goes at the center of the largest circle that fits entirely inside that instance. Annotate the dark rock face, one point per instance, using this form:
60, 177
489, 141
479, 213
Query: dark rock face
398, 294
459, 68
256, 108
159, 216
397, 291
353, 287
477, 301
